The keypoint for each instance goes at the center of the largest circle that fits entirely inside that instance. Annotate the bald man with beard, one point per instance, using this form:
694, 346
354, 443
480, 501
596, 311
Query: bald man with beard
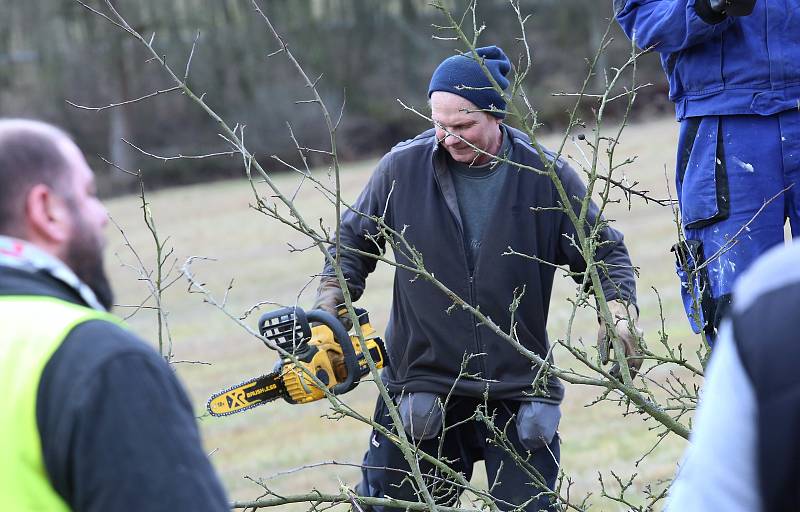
93, 418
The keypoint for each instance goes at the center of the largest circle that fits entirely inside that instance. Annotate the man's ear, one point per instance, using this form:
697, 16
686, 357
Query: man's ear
47, 217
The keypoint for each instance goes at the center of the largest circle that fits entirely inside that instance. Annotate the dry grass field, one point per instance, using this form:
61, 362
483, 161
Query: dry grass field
252, 251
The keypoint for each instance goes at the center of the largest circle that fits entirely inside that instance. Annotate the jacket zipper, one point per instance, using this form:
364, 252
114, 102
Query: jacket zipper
475, 334
470, 280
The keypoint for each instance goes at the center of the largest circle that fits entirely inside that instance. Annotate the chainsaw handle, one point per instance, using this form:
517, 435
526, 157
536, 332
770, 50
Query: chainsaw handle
343, 339
362, 314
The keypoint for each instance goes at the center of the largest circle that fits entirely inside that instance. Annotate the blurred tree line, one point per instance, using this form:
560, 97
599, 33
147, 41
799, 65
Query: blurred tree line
369, 52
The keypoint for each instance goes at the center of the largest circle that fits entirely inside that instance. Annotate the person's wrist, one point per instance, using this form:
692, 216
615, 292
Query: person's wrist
623, 311
707, 11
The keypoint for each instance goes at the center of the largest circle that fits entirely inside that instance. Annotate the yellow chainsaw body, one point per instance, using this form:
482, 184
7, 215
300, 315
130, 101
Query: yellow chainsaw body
299, 385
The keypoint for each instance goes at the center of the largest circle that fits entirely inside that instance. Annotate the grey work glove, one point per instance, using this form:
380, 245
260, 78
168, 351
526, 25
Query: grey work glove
330, 299
732, 7
624, 317
537, 423
422, 415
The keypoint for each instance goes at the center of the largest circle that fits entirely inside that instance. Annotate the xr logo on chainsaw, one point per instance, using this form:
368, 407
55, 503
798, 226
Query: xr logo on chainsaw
235, 399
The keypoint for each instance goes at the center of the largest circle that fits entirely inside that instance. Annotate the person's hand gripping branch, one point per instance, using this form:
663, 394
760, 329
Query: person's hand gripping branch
626, 323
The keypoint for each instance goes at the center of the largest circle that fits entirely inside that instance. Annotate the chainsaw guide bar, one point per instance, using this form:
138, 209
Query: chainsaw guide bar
246, 395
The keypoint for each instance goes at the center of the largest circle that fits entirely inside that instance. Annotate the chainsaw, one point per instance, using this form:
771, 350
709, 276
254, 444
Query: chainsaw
324, 350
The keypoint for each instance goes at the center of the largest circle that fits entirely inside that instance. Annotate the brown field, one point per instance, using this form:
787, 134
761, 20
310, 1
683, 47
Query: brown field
252, 251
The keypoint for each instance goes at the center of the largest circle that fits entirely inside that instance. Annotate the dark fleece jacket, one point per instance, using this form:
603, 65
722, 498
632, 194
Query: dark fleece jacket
427, 339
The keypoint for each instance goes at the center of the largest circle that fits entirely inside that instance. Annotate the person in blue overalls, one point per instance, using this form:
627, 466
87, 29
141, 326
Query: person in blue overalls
734, 75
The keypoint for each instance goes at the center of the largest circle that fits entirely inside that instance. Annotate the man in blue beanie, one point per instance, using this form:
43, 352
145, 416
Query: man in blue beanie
734, 76
461, 207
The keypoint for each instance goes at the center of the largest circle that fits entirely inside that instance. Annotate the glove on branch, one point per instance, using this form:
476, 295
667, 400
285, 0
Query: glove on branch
626, 324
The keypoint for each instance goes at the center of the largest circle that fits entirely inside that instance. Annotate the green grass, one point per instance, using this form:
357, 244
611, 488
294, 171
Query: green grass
252, 252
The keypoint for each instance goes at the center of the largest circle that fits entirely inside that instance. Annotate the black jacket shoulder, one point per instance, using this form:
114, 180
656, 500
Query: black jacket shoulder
112, 415
117, 430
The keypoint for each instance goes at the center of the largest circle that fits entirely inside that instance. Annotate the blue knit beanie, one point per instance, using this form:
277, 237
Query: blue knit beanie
462, 75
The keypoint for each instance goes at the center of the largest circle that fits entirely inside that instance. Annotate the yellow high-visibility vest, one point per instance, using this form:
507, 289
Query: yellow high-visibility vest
32, 328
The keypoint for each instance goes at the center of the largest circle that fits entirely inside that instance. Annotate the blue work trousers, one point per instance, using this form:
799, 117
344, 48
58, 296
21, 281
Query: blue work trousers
737, 183
386, 472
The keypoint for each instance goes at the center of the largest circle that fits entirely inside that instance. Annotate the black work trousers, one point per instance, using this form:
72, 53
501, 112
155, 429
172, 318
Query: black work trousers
464, 441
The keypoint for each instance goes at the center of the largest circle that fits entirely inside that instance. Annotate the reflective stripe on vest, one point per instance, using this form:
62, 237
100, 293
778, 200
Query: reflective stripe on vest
33, 328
